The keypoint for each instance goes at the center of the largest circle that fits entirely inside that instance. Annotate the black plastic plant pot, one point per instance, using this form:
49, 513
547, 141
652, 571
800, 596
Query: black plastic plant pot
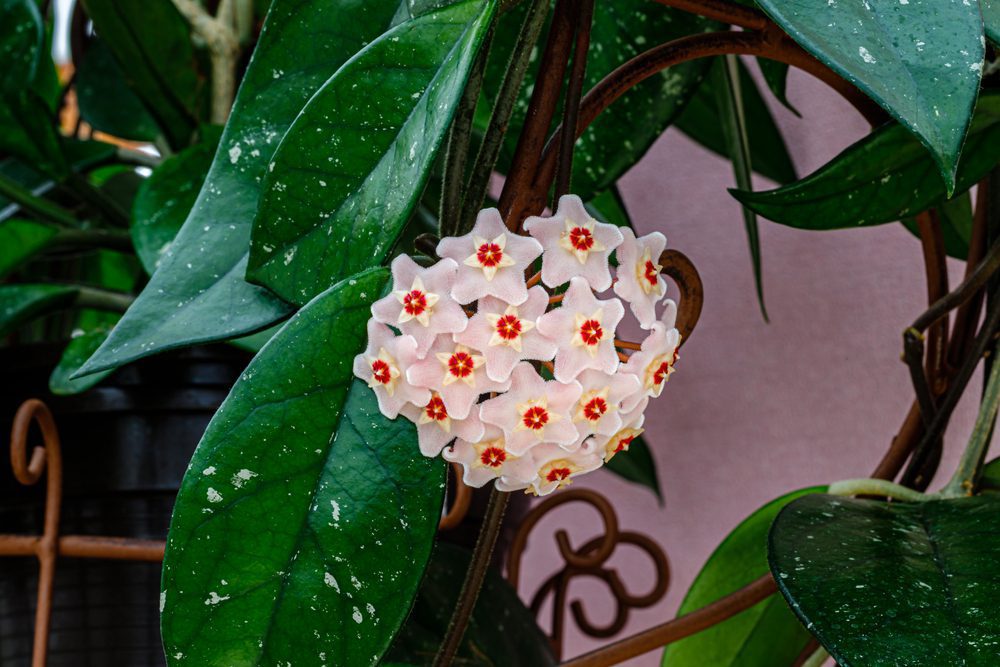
125, 446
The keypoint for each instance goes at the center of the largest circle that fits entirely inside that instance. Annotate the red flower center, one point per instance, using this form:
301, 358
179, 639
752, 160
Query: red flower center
595, 408
509, 327
661, 372
460, 364
581, 238
557, 474
591, 332
435, 409
489, 254
535, 417
381, 372
493, 457
651, 274
623, 443
415, 302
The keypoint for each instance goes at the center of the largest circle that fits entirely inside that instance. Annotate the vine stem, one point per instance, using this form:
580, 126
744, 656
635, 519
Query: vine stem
91, 297
571, 105
223, 47
481, 556
40, 207
963, 483
876, 487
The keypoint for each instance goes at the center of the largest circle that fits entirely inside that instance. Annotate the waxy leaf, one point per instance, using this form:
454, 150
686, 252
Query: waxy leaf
893, 583
106, 101
351, 168
21, 35
884, 177
304, 523
637, 465
76, 352
198, 293
955, 216
20, 240
991, 19
502, 631
920, 60
20, 304
765, 635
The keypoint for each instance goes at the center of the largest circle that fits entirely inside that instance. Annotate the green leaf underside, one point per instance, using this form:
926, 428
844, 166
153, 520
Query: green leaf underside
920, 60
351, 168
502, 631
20, 304
956, 225
625, 131
765, 635
881, 178
702, 122
304, 523
106, 101
893, 584
637, 465
198, 293
77, 351
165, 199
20, 240
990, 481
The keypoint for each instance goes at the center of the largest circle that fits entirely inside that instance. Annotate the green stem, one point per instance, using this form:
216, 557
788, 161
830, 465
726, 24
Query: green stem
40, 207
481, 556
817, 659
91, 297
963, 482
97, 200
875, 487
503, 108
113, 239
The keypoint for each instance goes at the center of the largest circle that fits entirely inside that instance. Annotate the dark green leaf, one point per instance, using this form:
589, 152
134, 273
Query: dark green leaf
884, 177
893, 584
165, 199
776, 76
990, 481
502, 631
20, 240
106, 101
991, 19
77, 351
306, 519
956, 225
196, 295
920, 60
702, 121
21, 36
765, 635
637, 465
623, 133
20, 304
608, 206
152, 43
351, 168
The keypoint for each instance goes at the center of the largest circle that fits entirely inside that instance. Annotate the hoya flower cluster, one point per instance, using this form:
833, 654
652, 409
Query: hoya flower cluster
522, 385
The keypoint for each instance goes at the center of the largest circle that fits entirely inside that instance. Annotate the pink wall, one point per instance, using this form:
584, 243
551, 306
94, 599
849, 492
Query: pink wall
758, 409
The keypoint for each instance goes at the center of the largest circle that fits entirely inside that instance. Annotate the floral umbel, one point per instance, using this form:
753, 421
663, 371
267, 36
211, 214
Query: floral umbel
523, 381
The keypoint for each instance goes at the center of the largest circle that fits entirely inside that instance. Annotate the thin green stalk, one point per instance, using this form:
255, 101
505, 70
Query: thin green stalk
503, 108
875, 487
113, 239
817, 659
459, 137
41, 207
108, 208
963, 482
92, 297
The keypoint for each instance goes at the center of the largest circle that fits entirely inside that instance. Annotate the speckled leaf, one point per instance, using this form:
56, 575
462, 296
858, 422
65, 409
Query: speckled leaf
626, 130
637, 465
106, 101
502, 631
702, 121
765, 635
77, 351
20, 240
921, 60
303, 526
881, 178
165, 199
991, 19
350, 170
20, 304
21, 34
900, 584
198, 293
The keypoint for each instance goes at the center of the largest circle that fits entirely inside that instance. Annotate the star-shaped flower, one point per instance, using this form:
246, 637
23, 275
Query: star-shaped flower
420, 304
599, 408
556, 467
639, 281
383, 366
575, 244
492, 260
488, 459
654, 363
533, 411
620, 440
436, 428
457, 373
507, 334
583, 329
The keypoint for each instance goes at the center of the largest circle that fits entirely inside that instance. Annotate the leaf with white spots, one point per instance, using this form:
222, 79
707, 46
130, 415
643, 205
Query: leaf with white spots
306, 517
920, 60
893, 583
350, 170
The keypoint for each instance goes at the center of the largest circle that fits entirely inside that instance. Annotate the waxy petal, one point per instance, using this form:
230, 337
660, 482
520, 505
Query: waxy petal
488, 459
456, 372
639, 281
396, 354
433, 434
653, 364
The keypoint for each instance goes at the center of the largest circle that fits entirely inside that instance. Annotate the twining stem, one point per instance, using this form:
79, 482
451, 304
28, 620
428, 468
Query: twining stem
533, 280
91, 297
963, 482
972, 284
875, 487
481, 555
721, 10
42, 208
574, 89
627, 344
